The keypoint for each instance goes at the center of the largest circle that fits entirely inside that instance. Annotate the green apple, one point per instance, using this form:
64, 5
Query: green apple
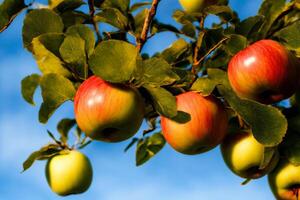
285, 181
196, 5
69, 173
243, 155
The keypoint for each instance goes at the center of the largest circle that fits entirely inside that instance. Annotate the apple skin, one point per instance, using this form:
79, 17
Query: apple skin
285, 181
205, 130
108, 112
70, 173
265, 72
196, 5
243, 155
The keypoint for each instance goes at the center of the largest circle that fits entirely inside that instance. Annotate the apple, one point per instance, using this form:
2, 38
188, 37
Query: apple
196, 5
108, 112
205, 130
265, 72
69, 173
285, 181
243, 155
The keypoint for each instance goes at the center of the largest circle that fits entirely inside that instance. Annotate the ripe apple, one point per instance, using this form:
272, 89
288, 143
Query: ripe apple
243, 155
69, 173
196, 5
265, 71
285, 181
205, 130
108, 112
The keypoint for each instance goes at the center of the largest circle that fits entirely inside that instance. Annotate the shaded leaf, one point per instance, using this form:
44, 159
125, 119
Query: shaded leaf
133, 141
56, 89
139, 5
65, 5
113, 17
29, 86
38, 22
204, 85
175, 51
64, 126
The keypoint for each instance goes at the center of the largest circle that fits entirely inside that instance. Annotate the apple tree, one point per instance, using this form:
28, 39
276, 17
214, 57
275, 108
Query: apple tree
235, 83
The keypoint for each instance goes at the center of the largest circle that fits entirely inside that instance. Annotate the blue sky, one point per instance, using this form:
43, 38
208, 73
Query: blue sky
169, 175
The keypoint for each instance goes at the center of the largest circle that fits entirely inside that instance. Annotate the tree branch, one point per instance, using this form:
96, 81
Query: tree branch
211, 50
92, 14
198, 44
143, 38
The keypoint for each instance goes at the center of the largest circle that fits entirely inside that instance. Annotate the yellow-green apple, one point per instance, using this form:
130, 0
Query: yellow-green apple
108, 112
205, 130
243, 155
265, 71
69, 173
196, 5
285, 181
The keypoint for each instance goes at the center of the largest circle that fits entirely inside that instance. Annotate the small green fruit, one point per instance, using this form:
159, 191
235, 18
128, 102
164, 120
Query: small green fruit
196, 5
243, 155
69, 173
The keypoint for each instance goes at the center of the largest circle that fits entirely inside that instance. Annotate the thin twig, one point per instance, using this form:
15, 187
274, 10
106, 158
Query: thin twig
142, 40
211, 50
198, 45
92, 14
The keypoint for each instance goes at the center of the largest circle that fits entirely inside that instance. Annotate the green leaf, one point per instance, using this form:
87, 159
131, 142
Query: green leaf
164, 102
204, 85
64, 127
45, 152
133, 141
45, 49
269, 153
158, 72
65, 5
215, 10
291, 148
71, 18
149, 147
114, 61
86, 34
290, 36
56, 89
250, 26
72, 51
271, 10
122, 5
38, 22
175, 51
182, 117
235, 44
187, 21
9, 9
267, 133
158, 27
139, 5
29, 85
113, 17
139, 20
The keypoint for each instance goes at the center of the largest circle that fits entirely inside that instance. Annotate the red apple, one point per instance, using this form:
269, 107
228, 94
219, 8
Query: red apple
108, 112
205, 130
265, 71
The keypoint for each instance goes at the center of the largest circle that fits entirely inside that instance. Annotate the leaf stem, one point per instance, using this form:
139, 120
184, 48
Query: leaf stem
151, 14
92, 14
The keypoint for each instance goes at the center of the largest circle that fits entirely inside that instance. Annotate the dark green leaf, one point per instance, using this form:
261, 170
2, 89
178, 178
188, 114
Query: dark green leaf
164, 102
114, 60
204, 85
269, 153
122, 5
133, 141
65, 5
182, 117
71, 18
235, 44
113, 17
56, 89
86, 34
9, 9
158, 72
175, 51
139, 20
44, 153
38, 22
268, 133
138, 5
29, 85
215, 10
250, 26
73, 52
149, 147
64, 126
